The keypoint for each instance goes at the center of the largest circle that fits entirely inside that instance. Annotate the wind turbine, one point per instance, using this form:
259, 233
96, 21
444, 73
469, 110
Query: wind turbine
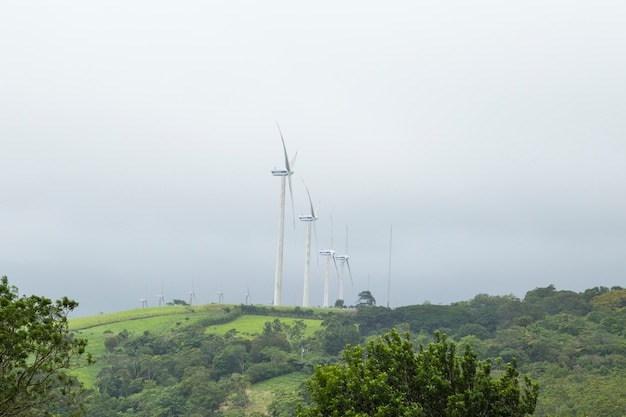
192, 295
220, 297
247, 295
330, 254
343, 259
310, 219
283, 173
144, 303
161, 299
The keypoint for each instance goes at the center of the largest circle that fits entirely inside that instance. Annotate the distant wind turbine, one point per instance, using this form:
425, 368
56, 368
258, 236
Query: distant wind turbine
343, 261
192, 294
144, 302
329, 254
161, 299
247, 295
310, 219
220, 297
287, 172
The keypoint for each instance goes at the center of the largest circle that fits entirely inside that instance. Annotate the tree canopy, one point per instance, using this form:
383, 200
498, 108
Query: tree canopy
390, 378
36, 351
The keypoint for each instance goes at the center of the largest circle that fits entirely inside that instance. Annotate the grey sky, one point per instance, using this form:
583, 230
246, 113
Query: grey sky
137, 139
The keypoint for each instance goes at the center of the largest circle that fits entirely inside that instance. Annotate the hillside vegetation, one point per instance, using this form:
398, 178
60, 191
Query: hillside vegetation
226, 361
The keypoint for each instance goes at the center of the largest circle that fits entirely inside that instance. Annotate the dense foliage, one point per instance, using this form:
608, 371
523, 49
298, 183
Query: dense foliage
36, 353
572, 344
389, 378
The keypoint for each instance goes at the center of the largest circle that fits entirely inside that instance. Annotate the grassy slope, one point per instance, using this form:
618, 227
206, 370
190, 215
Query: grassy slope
250, 326
261, 394
162, 319
157, 319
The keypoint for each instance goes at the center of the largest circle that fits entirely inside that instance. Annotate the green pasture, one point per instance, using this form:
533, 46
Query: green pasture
250, 326
141, 313
260, 395
96, 329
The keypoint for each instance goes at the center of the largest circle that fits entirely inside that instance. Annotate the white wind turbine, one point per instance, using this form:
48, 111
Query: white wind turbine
144, 302
247, 295
220, 297
287, 172
161, 299
343, 259
309, 218
192, 295
329, 254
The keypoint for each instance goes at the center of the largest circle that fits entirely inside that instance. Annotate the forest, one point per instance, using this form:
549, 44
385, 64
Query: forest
572, 344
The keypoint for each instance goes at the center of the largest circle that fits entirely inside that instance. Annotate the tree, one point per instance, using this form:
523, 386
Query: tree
232, 359
389, 378
366, 299
36, 352
337, 335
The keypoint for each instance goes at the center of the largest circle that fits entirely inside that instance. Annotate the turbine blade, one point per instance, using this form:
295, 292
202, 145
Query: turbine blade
350, 271
284, 147
309, 194
293, 162
336, 268
331, 232
293, 209
317, 248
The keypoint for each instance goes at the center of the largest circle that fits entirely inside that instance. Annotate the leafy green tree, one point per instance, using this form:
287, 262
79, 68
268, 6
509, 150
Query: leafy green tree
266, 340
232, 359
295, 333
613, 299
110, 343
36, 352
337, 335
389, 378
366, 299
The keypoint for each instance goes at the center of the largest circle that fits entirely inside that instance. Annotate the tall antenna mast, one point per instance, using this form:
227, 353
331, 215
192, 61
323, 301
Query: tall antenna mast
389, 276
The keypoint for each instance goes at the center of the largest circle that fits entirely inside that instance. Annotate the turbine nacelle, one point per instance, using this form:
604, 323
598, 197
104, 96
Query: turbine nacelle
342, 257
326, 252
281, 172
307, 218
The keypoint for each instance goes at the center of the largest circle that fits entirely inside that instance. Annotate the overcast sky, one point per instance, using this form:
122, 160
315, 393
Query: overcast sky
137, 140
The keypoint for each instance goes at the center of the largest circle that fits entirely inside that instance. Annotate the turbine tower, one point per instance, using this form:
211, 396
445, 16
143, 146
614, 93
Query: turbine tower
310, 219
144, 303
220, 297
343, 259
329, 254
287, 172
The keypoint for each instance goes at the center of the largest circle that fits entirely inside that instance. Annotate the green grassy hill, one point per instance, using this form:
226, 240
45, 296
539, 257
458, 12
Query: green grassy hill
215, 319
96, 329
